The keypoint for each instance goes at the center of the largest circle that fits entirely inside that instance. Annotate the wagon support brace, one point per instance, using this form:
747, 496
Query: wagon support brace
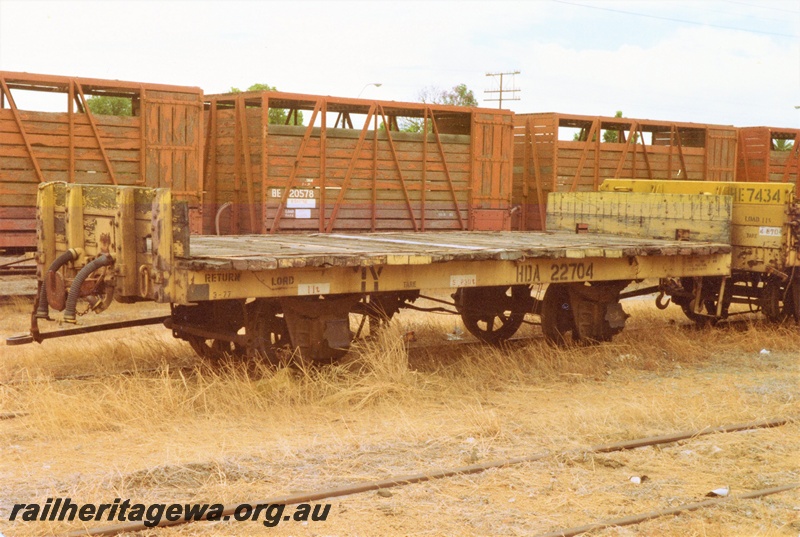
296, 166
93, 124
446, 171
397, 165
14, 110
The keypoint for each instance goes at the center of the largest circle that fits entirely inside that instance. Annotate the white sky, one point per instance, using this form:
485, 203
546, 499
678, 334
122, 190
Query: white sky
709, 61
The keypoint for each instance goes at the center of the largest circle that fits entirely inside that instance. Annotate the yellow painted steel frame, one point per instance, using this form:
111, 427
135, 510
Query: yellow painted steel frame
146, 233
763, 214
141, 228
218, 285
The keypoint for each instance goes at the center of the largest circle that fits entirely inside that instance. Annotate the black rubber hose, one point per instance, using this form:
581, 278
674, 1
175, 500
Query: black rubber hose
43, 312
75, 288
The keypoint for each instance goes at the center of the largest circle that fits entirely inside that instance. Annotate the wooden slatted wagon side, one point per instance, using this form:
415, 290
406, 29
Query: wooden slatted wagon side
349, 167
556, 152
768, 154
160, 145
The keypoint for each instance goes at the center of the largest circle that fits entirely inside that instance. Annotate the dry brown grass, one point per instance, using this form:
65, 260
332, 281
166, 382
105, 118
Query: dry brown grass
178, 430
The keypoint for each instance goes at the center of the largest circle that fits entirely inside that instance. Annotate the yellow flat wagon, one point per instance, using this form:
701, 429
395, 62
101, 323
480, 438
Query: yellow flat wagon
250, 294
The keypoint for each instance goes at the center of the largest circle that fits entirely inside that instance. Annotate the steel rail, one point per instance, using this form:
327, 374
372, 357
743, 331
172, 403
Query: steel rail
305, 497
644, 517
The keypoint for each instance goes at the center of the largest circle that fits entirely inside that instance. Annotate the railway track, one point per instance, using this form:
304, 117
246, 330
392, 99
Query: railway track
413, 348
404, 480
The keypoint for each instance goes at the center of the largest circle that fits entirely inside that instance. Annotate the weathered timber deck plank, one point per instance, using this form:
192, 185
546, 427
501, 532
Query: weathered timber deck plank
266, 252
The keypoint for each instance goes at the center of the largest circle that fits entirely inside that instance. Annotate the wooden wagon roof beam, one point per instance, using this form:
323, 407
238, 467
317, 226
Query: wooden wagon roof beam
17, 79
300, 101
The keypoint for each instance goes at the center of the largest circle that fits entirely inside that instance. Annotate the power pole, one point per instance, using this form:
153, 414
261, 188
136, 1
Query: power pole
513, 91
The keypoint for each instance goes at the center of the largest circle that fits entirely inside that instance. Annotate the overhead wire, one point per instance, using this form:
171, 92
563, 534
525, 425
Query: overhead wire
672, 19
763, 6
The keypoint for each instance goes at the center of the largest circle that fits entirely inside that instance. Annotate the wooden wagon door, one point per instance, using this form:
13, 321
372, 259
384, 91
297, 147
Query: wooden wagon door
173, 126
721, 154
492, 158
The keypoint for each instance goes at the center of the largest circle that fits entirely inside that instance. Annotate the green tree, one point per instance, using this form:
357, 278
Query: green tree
782, 144
277, 116
612, 136
459, 95
608, 136
109, 106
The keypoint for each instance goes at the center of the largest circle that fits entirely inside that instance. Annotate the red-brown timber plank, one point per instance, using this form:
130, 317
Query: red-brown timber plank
496, 166
374, 207
264, 158
18, 213
596, 175
237, 166
251, 201
194, 158
144, 154
210, 175
18, 240
538, 179
165, 137
71, 119
425, 157
17, 224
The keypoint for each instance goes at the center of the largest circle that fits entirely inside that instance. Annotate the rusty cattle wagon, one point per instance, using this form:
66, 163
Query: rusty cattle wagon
350, 168
158, 146
570, 153
768, 154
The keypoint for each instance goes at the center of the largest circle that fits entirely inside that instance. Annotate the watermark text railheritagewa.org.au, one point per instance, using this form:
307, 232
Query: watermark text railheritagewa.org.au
63, 509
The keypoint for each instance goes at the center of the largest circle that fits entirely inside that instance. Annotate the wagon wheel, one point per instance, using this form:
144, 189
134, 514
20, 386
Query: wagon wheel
214, 349
776, 303
557, 318
697, 318
216, 319
794, 292
266, 330
493, 314
710, 298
